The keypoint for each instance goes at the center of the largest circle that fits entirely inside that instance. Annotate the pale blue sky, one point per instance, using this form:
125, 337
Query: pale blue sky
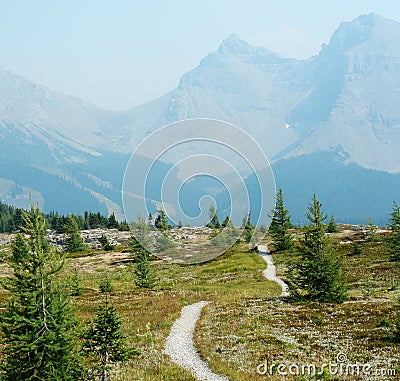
120, 53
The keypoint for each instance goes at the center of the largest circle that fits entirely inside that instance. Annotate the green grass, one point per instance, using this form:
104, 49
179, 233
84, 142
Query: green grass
149, 315
245, 322
238, 335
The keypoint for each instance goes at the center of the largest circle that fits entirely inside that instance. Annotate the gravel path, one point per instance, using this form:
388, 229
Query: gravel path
270, 271
179, 345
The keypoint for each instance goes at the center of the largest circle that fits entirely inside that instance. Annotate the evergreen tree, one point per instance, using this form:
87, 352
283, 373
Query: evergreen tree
73, 242
80, 221
75, 283
8, 225
86, 219
394, 240
226, 221
57, 223
135, 244
105, 285
7, 218
104, 341
11, 220
18, 219
213, 218
280, 225
141, 244
38, 322
372, 235
226, 237
94, 220
123, 226
318, 274
332, 227
356, 249
161, 222
163, 242
112, 222
105, 244
142, 235
144, 277
248, 228
102, 220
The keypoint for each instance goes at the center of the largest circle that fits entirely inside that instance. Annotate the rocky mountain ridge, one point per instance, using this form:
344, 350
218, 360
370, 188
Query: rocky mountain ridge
344, 102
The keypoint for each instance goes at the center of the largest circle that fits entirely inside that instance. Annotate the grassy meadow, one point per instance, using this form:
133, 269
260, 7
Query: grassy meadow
246, 321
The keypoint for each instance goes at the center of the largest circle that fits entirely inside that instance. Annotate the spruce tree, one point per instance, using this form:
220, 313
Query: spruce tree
105, 285
38, 323
142, 235
356, 249
317, 274
86, 224
104, 341
112, 222
226, 237
105, 244
123, 226
280, 225
226, 221
161, 222
162, 242
372, 234
134, 244
332, 227
144, 277
248, 228
73, 242
394, 240
141, 244
75, 283
213, 218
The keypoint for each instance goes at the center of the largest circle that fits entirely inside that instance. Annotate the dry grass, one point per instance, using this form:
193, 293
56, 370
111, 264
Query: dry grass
246, 322
237, 337
149, 315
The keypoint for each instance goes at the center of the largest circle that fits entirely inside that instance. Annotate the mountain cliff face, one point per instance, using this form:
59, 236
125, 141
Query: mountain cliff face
33, 115
345, 98
354, 100
344, 101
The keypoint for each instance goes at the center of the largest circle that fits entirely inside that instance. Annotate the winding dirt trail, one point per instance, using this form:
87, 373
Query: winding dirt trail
270, 272
179, 344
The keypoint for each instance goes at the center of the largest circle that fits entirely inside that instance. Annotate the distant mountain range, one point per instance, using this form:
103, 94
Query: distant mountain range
329, 124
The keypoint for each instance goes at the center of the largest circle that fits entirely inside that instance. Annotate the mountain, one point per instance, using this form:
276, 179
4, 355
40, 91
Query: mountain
45, 137
338, 109
250, 87
345, 97
353, 103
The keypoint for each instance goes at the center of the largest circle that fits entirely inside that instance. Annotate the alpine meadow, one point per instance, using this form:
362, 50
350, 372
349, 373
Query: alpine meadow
243, 225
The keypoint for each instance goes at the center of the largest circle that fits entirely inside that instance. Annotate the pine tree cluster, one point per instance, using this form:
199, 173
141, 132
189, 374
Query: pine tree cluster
11, 220
39, 329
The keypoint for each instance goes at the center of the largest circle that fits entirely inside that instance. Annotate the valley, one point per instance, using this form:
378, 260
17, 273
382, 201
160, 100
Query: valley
337, 110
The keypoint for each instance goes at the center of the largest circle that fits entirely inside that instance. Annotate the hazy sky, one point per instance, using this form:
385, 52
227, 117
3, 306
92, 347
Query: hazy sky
120, 53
